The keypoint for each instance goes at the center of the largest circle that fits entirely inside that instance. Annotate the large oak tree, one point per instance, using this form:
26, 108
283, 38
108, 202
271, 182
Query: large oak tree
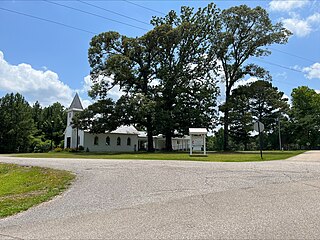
165, 74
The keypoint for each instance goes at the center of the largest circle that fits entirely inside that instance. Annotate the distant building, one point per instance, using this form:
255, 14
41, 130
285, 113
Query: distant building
123, 139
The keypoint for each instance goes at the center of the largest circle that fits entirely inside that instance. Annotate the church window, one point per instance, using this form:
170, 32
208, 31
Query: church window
129, 141
108, 141
96, 140
118, 141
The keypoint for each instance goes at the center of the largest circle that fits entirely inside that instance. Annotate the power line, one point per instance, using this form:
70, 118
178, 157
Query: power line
278, 65
93, 14
150, 9
286, 83
47, 20
116, 13
134, 19
290, 54
163, 0
293, 55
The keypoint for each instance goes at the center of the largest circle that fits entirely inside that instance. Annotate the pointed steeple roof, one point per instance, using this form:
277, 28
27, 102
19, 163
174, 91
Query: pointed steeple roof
76, 103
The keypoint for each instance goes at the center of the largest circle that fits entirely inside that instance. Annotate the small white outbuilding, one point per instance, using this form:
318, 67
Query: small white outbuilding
198, 139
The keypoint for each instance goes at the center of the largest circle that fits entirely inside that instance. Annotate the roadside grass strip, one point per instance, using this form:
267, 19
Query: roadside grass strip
183, 156
22, 187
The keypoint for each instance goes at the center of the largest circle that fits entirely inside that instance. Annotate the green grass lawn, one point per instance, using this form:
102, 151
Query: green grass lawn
22, 187
212, 157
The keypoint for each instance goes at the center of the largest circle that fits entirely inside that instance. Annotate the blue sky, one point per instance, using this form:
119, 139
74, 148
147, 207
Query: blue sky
47, 62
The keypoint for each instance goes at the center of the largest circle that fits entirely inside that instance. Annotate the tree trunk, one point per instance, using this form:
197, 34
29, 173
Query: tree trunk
226, 122
169, 141
77, 146
150, 134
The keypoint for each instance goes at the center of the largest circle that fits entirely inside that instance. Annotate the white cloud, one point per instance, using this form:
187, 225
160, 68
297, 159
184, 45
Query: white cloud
282, 75
87, 83
313, 71
86, 103
244, 82
40, 85
302, 27
115, 93
282, 5
315, 18
298, 27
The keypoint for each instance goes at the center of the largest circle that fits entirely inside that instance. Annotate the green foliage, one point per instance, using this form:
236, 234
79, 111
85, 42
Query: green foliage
42, 146
244, 32
54, 121
184, 68
215, 142
165, 74
50, 123
16, 124
70, 150
304, 115
256, 101
130, 62
98, 117
24, 128
58, 149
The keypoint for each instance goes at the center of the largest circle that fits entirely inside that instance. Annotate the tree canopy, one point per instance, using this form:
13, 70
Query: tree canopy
256, 101
16, 124
165, 74
244, 33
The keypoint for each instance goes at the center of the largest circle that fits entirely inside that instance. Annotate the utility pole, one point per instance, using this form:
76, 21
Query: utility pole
280, 145
52, 122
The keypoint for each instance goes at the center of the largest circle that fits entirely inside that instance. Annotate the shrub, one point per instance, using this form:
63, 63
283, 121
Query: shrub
81, 148
87, 150
58, 149
61, 145
70, 149
42, 146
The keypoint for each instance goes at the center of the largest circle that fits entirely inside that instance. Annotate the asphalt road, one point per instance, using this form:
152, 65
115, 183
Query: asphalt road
175, 200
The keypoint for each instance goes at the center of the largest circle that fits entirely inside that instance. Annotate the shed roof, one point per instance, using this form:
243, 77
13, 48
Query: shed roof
198, 131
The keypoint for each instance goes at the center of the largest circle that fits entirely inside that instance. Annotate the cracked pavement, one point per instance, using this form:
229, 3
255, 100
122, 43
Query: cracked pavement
175, 199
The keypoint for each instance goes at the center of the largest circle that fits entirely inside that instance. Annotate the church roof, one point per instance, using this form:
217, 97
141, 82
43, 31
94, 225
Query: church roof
126, 130
76, 103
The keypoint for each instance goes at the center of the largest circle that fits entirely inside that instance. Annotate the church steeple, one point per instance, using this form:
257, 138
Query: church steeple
75, 107
76, 103
73, 137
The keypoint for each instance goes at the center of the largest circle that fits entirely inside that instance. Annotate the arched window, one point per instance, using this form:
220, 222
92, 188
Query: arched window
107, 140
118, 141
129, 141
96, 140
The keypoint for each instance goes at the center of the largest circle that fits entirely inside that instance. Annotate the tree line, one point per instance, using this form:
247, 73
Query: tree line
25, 128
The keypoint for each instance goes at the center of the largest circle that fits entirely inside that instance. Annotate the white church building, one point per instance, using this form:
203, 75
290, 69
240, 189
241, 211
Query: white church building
123, 139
